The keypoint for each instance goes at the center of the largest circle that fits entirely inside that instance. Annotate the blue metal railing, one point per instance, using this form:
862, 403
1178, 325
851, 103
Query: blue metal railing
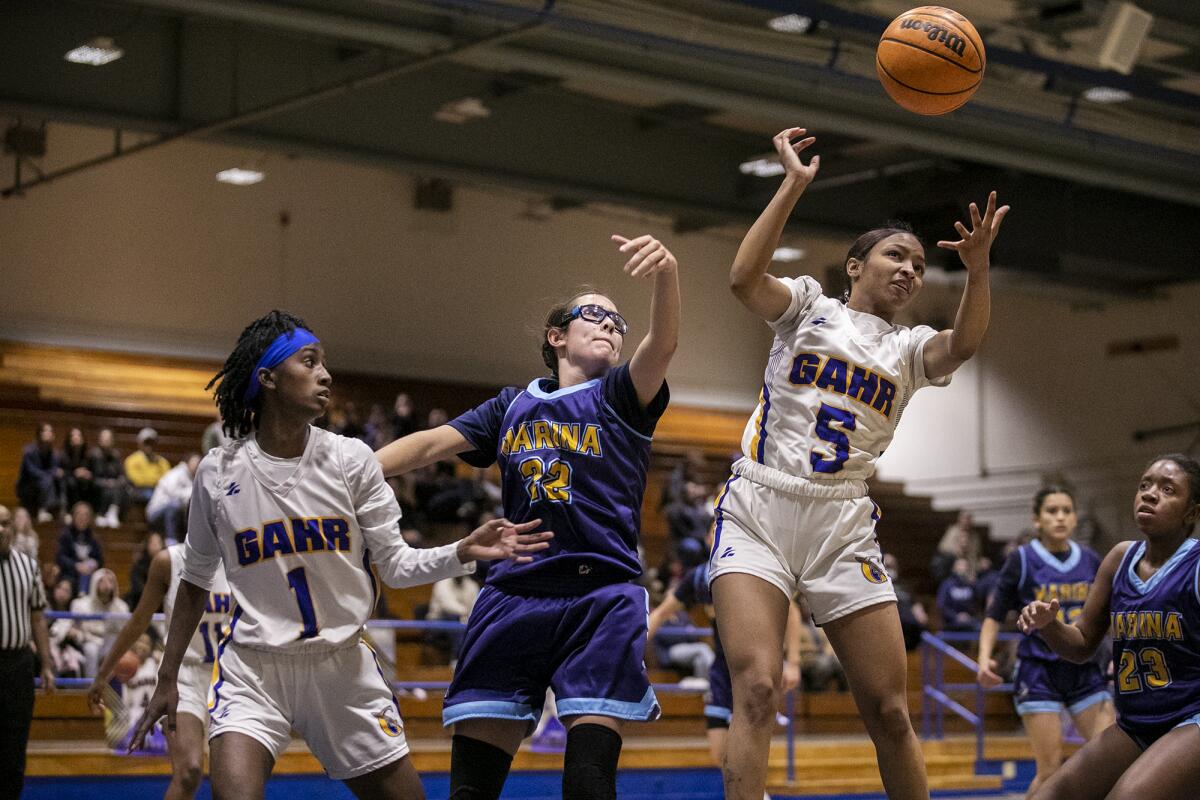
441, 686
935, 692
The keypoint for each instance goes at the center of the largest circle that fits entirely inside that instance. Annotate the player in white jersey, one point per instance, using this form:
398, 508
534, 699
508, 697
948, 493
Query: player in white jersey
300, 518
795, 513
185, 745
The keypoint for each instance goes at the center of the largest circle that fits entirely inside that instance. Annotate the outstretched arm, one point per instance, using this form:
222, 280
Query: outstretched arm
666, 610
951, 348
1077, 642
421, 449
157, 581
759, 291
648, 367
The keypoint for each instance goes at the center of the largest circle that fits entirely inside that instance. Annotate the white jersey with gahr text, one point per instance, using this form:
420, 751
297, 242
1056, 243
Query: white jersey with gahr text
298, 539
835, 385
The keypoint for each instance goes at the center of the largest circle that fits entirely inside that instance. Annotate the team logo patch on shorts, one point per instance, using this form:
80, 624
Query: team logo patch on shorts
389, 721
871, 571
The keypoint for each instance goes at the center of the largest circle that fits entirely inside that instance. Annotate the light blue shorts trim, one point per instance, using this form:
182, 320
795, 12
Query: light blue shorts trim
1190, 721
1055, 707
489, 709
717, 712
645, 709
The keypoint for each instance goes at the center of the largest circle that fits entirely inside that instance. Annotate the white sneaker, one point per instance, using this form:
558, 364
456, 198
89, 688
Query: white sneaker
112, 516
693, 683
44, 516
781, 720
102, 522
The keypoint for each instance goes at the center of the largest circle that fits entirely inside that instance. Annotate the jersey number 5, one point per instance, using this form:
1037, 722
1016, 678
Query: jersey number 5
827, 417
550, 480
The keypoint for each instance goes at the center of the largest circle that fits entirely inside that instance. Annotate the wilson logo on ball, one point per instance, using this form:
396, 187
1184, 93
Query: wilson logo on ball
930, 60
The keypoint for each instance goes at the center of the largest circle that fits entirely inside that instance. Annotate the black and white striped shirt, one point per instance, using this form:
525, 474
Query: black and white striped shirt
21, 593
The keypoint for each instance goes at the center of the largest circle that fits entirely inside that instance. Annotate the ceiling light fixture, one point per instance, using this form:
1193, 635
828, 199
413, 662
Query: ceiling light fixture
95, 52
762, 167
788, 254
790, 23
241, 177
1106, 94
463, 110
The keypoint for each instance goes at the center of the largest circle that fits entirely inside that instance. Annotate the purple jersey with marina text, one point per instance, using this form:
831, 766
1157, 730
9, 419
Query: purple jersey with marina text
1156, 642
575, 458
1034, 573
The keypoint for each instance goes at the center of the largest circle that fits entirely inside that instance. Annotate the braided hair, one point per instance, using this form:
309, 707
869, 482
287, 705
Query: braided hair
238, 417
866, 242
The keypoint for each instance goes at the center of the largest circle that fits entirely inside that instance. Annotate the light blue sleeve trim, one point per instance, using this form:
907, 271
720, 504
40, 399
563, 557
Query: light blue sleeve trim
1088, 702
626, 425
488, 709
645, 709
1021, 584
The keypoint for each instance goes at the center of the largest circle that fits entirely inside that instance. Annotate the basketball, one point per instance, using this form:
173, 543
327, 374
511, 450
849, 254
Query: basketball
930, 60
127, 667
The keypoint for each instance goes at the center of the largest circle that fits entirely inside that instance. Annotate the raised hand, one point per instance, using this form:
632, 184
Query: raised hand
975, 246
499, 538
650, 256
1037, 615
986, 676
789, 155
164, 701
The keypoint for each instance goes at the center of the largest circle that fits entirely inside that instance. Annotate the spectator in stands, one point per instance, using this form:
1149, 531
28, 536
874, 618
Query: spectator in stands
108, 474
144, 468
39, 483
437, 418
99, 634
168, 506
213, 436
25, 536
688, 520
956, 599
955, 544
66, 640
377, 431
684, 652
139, 573
689, 470
51, 573
986, 578
452, 601
913, 619
820, 669
77, 470
404, 419
79, 553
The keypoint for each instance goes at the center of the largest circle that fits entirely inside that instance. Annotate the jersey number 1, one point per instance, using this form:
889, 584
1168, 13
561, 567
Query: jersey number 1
826, 418
308, 614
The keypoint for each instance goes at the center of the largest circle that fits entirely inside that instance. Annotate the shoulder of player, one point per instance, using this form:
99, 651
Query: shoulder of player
1116, 555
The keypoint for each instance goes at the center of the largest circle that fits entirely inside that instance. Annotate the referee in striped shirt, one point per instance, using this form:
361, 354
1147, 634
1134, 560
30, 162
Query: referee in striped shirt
22, 599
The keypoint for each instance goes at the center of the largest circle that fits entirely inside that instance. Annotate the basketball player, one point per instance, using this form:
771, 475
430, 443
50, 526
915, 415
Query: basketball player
1050, 567
185, 745
298, 517
1148, 592
691, 590
795, 513
573, 450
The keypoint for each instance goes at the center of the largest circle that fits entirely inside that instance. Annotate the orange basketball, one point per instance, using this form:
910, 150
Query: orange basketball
127, 666
930, 60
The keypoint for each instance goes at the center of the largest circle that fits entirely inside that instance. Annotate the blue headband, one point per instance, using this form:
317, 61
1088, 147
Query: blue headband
284, 346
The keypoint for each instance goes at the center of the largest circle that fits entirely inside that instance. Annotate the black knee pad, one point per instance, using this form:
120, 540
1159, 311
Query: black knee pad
590, 764
477, 769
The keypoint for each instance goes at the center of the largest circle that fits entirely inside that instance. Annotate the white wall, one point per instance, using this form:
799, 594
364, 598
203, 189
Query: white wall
150, 253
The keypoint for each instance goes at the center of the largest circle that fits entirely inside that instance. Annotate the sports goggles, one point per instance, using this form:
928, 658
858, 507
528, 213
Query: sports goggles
597, 313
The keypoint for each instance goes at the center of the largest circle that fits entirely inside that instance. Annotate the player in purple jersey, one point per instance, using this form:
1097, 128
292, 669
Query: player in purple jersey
1050, 567
573, 450
1148, 592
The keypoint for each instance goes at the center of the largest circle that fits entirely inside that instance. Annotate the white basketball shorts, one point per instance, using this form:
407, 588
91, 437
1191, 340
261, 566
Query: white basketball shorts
803, 539
192, 685
337, 700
